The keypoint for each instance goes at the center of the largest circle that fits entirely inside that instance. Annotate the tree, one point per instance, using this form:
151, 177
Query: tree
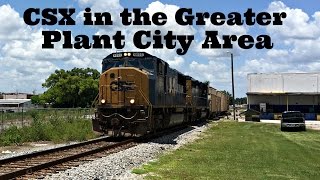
242, 100
36, 99
75, 88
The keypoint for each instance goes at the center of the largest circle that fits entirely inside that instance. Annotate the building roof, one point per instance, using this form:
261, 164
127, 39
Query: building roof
284, 73
1, 93
283, 93
14, 101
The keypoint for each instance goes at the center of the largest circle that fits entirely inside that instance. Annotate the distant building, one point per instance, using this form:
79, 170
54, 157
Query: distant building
271, 94
14, 105
15, 96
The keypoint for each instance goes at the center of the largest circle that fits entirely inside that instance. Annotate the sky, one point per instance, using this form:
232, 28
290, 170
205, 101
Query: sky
24, 65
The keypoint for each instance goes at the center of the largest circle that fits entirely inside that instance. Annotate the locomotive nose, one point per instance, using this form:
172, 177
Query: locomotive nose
125, 86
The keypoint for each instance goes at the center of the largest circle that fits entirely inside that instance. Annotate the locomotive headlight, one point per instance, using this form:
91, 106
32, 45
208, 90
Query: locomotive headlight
129, 54
103, 101
125, 54
131, 101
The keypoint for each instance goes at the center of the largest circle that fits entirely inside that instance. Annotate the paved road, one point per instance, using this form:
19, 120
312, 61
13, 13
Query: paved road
309, 124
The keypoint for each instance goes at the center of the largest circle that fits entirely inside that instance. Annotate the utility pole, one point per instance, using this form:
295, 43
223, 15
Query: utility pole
233, 100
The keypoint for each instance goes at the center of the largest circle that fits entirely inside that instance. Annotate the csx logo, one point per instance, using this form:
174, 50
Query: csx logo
121, 86
50, 16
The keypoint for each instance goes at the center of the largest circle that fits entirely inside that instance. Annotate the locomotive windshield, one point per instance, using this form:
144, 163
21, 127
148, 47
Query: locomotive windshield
145, 63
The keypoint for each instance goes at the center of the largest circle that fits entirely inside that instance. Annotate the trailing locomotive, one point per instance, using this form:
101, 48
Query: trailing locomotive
139, 93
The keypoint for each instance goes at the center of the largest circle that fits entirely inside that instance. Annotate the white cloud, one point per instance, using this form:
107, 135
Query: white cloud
24, 59
223, 30
12, 26
297, 24
24, 75
176, 63
101, 5
164, 53
170, 11
24, 63
297, 44
275, 53
216, 72
262, 66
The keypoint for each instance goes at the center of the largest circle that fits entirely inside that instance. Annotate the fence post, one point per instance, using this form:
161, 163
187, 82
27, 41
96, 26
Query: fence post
2, 120
22, 116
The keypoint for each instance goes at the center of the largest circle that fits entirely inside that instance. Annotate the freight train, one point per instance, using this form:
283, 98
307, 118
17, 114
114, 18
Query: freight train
139, 93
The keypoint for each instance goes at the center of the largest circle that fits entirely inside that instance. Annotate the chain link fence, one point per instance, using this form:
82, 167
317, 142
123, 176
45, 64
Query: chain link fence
25, 116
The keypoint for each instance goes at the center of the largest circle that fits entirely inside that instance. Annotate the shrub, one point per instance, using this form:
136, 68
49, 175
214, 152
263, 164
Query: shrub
12, 135
42, 128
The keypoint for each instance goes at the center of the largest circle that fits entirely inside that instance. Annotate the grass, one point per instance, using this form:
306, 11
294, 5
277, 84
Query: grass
231, 150
42, 128
44, 112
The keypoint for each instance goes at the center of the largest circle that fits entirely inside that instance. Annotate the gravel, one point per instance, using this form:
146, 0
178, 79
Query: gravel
119, 165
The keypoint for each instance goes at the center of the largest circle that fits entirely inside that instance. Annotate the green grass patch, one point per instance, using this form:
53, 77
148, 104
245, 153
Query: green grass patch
231, 150
45, 113
56, 129
139, 171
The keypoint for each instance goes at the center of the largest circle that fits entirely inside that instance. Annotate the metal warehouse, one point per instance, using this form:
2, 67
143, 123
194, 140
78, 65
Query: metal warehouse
271, 94
14, 105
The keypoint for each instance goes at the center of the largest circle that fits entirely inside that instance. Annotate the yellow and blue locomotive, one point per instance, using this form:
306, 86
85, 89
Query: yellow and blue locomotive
139, 93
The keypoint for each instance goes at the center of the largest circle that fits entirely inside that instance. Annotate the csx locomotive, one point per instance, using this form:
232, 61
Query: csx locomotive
139, 93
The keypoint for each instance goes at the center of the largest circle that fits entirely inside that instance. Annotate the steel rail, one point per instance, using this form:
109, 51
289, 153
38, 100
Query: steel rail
43, 152
31, 169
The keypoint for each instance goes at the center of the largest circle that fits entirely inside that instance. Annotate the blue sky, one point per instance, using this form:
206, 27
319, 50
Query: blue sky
24, 65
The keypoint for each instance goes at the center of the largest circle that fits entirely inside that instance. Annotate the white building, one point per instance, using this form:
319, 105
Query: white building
271, 94
14, 104
15, 96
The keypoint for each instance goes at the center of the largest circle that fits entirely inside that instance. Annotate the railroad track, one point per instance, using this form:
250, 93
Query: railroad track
39, 164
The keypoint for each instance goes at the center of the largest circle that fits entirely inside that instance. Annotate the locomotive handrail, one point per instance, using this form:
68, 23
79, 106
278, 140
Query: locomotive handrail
149, 109
94, 102
120, 116
149, 103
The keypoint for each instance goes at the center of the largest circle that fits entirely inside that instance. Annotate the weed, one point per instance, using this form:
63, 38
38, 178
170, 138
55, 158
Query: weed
43, 128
